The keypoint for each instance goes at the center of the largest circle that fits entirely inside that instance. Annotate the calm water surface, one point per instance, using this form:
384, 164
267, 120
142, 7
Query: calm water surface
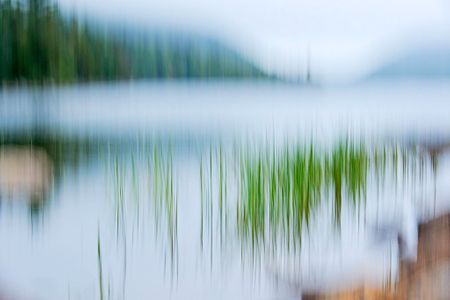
219, 190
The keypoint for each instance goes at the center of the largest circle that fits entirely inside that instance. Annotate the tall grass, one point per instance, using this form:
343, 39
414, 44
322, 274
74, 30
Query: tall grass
165, 201
281, 188
134, 209
100, 269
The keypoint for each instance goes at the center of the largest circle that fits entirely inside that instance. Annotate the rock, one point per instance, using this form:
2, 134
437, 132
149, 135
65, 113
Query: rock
24, 172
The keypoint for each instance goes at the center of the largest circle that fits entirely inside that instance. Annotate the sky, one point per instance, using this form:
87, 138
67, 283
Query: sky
342, 40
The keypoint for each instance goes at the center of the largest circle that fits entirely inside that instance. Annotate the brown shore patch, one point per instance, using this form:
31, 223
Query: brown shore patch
24, 171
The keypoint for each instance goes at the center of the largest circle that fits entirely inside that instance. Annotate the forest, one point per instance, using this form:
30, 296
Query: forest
42, 44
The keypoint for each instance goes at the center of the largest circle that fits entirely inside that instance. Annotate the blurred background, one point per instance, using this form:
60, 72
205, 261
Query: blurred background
224, 149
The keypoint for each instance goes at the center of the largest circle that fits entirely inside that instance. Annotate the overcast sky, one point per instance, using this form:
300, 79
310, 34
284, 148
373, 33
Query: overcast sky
345, 38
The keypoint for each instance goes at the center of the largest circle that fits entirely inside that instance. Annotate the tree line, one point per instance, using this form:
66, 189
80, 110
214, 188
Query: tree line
40, 44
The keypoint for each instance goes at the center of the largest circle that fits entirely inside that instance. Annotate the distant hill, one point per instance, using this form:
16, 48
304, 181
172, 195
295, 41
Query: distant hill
39, 44
420, 62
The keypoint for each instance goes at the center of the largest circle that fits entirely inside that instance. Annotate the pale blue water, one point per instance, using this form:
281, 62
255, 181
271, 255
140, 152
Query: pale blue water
52, 254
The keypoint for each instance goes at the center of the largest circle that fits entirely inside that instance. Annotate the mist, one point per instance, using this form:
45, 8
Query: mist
343, 41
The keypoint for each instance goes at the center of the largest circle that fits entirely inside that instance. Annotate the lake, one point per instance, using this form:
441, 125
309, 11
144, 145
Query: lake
224, 190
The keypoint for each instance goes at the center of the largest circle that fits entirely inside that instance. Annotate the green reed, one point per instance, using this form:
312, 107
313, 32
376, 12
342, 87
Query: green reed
119, 187
156, 205
164, 197
100, 269
281, 188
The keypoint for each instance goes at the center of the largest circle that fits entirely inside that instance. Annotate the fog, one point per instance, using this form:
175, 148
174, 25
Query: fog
342, 40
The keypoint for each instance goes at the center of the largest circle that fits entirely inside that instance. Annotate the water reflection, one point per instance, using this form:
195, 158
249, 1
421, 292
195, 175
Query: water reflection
197, 216
271, 199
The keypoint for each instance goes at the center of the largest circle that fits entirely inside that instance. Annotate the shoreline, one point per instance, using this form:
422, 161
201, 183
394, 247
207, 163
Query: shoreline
425, 278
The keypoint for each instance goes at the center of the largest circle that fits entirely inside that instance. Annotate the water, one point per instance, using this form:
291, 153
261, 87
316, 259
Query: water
156, 190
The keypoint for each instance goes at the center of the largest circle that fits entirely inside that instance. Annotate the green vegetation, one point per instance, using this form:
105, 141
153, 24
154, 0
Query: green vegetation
281, 188
100, 269
165, 197
269, 195
39, 44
